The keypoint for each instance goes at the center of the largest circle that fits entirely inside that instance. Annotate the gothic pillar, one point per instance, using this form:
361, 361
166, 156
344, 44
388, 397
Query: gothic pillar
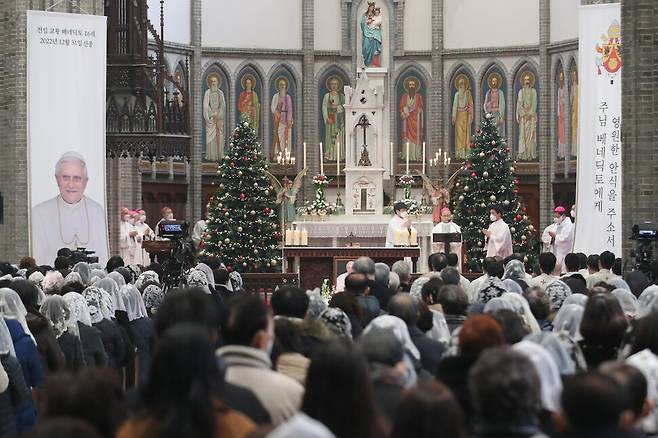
544, 135
194, 206
309, 96
437, 107
639, 112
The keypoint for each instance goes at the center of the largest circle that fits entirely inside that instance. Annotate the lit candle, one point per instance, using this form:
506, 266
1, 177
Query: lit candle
413, 237
337, 158
407, 158
423, 157
304, 155
321, 160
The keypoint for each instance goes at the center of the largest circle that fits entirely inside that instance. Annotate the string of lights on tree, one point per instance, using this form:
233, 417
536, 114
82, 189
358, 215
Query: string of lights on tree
243, 225
491, 180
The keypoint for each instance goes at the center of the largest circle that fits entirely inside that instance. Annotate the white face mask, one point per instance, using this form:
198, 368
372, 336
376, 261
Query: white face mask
127, 219
573, 214
143, 218
492, 217
404, 214
556, 220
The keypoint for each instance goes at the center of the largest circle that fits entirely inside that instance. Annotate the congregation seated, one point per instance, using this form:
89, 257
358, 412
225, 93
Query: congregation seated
125, 358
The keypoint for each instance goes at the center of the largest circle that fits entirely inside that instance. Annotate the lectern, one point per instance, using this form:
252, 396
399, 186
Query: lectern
446, 239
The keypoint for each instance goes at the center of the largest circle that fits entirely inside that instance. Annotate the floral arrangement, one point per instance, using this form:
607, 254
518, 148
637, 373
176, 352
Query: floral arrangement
319, 206
326, 291
320, 180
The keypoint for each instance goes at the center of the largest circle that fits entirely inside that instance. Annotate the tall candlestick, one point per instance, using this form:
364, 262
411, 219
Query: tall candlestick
392, 160
337, 158
321, 160
423, 157
407, 158
304, 155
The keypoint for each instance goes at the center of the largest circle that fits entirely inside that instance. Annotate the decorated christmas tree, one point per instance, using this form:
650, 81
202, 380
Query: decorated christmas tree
243, 226
490, 180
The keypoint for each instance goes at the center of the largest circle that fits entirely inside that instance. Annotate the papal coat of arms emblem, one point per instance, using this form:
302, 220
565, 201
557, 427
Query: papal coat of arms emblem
608, 60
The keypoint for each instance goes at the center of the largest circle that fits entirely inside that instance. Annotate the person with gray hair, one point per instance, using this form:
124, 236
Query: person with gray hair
403, 269
70, 219
394, 282
388, 371
379, 287
405, 307
365, 266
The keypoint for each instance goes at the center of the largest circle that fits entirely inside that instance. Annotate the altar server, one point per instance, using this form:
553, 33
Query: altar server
498, 237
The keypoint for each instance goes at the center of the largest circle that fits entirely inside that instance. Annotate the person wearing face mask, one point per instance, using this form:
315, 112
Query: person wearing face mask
562, 236
127, 235
167, 215
498, 237
144, 232
400, 221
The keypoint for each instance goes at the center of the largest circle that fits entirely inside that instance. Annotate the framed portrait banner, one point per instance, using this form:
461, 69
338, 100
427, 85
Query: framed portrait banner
66, 70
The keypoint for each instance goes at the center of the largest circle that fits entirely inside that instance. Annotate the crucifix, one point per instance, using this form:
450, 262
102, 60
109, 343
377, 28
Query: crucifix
365, 158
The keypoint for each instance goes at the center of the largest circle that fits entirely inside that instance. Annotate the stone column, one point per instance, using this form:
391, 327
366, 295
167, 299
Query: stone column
309, 97
544, 135
639, 112
437, 107
194, 207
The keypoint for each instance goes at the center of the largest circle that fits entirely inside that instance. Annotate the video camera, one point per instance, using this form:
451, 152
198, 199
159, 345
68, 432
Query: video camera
645, 231
82, 255
173, 229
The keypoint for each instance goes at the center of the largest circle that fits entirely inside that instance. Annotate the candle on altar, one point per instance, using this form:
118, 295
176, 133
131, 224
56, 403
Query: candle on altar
288, 241
407, 158
423, 157
304, 155
321, 160
397, 241
413, 238
304, 237
337, 158
392, 160
296, 237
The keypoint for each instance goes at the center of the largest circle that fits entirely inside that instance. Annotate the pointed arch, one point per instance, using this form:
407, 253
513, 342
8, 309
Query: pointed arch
331, 114
412, 88
283, 109
249, 105
526, 120
498, 102
215, 144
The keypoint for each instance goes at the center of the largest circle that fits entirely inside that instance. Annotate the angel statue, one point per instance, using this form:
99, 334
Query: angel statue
286, 194
439, 193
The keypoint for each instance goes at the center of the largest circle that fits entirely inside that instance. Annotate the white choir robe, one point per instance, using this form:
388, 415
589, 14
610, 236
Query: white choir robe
197, 232
563, 241
126, 243
500, 241
456, 247
141, 256
57, 224
547, 240
396, 223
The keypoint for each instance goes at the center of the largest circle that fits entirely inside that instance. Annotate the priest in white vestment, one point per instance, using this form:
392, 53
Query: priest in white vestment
547, 239
167, 215
562, 236
498, 236
127, 235
145, 233
70, 219
447, 226
400, 221
199, 229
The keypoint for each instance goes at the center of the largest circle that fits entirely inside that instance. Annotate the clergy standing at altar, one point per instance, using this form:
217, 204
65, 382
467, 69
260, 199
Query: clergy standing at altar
498, 237
562, 236
400, 221
444, 227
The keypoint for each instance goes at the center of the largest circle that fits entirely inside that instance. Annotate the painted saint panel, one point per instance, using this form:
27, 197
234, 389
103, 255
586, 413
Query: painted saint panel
574, 94
214, 110
525, 113
561, 96
411, 90
494, 97
282, 112
249, 91
461, 113
332, 114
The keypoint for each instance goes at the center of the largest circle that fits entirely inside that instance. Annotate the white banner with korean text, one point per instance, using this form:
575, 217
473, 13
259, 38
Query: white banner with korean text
598, 187
66, 68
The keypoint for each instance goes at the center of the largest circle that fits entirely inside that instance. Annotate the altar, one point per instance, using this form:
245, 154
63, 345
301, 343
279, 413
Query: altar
314, 264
